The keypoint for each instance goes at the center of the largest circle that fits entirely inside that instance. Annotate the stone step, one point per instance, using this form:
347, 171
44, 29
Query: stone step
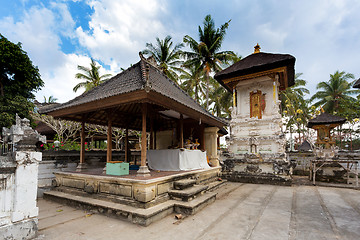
114, 198
184, 183
188, 193
215, 185
195, 205
135, 215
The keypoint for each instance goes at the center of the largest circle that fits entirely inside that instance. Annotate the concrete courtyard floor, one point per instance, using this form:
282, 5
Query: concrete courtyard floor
241, 211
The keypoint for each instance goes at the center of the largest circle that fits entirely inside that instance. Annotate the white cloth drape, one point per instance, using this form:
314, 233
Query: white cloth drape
176, 159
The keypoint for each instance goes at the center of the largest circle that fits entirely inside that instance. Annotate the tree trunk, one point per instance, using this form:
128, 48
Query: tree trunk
339, 129
196, 93
1, 88
207, 90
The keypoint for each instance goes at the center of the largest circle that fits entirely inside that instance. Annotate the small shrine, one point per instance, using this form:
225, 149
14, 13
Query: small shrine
327, 166
257, 142
323, 124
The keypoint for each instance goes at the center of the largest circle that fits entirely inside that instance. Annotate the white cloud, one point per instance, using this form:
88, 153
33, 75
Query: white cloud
39, 32
61, 80
274, 36
322, 35
120, 29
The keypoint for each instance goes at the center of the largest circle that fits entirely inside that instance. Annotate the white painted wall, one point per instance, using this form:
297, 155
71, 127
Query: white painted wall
266, 133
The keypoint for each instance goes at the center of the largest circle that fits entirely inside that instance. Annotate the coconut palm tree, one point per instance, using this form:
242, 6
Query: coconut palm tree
220, 100
335, 94
166, 56
207, 52
50, 99
192, 82
91, 75
294, 93
295, 107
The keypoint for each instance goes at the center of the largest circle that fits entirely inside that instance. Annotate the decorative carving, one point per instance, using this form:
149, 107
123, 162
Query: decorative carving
22, 136
253, 168
255, 104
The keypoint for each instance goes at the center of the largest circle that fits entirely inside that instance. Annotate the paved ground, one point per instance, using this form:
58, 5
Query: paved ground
242, 211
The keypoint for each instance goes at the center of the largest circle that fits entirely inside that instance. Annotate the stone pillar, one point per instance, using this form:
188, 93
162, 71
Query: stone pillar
25, 187
19, 181
210, 135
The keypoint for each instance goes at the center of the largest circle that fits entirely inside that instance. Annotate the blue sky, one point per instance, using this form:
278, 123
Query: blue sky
324, 36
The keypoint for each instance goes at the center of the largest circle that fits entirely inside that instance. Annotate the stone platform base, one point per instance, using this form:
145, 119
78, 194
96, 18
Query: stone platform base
141, 216
259, 168
26, 229
140, 200
257, 178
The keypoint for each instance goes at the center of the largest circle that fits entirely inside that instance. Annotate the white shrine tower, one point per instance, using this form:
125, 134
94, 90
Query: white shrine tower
257, 142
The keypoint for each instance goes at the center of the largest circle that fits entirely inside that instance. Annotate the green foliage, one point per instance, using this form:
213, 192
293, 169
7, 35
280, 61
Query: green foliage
50, 99
335, 95
220, 100
67, 146
18, 80
91, 76
167, 58
295, 108
193, 81
206, 53
10, 106
18, 76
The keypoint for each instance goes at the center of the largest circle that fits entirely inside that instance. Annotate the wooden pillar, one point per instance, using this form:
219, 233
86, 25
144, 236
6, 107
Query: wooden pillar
82, 142
202, 137
143, 135
181, 131
154, 139
109, 142
82, 164
151, 134
126, 144
143, 171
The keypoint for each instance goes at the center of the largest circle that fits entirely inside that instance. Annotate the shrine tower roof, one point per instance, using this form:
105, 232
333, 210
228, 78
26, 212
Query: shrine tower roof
256, 63
326, 118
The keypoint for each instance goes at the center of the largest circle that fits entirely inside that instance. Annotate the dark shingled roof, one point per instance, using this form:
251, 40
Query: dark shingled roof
305, 146
258, 62
126, 81
357, 84
223, 131
134, 79
326, 118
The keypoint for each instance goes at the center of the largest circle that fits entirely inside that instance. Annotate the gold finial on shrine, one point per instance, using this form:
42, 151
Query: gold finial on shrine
257, 48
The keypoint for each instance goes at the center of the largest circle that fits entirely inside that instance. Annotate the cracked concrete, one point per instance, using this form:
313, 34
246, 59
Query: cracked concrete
241, 211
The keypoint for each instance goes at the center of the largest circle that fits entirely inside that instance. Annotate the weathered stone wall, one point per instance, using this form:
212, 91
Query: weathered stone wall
302, 160
18, 182
333, 172
260, 168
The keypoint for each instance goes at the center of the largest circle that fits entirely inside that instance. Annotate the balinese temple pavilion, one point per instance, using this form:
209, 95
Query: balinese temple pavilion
143, 98
257, 142
179, 163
